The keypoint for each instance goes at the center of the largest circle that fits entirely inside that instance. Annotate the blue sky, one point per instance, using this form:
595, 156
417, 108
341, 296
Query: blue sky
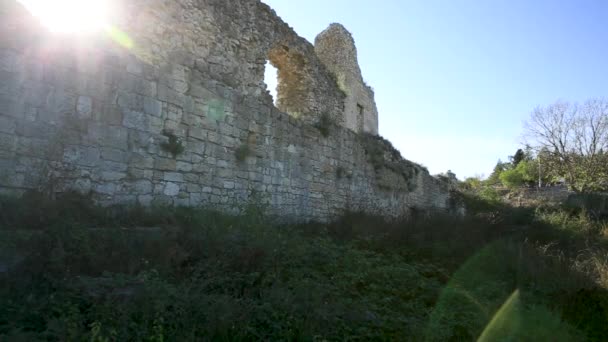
455, 79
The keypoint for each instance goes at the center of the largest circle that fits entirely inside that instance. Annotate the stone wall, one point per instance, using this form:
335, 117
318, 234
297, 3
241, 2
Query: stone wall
169, 107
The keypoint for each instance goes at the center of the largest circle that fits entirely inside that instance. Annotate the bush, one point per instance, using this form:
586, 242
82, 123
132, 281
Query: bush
512, 178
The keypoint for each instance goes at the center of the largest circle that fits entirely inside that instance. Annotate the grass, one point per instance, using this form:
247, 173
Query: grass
75, 271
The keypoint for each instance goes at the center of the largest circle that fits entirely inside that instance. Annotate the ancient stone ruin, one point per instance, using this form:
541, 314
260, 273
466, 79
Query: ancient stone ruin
169, 106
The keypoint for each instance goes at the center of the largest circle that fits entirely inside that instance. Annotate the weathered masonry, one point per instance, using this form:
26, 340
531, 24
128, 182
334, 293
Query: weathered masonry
169, 106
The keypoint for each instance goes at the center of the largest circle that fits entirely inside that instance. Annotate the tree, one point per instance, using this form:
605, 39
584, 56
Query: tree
575, 139
500, 167
518, 157
512, 178
472, 183
528, 169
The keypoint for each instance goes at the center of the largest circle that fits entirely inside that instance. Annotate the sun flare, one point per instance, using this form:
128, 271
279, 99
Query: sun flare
70, 16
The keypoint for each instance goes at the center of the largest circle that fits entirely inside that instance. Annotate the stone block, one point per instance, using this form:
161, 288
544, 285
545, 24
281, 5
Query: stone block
135, 120
153, 106
107, 136
171, 189
111, 176
174, 177
155, 124
165, 164
7, 124
143, 187
198, 133
130, 101
60, 102
146, 88
105, 188
40, 130
84, 107
115, 155
197, 199
183, 166
109, 114
169, 95
109, 165
9, 60
80, 155
225, 173
141, 161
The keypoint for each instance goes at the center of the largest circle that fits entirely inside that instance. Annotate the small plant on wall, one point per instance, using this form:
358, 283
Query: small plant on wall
341, 173
174, 145
324, 124
242, 152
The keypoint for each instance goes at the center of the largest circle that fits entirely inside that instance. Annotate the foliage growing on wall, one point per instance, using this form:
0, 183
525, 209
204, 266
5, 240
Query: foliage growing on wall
324, 124
242, 152
342, 173
174, 144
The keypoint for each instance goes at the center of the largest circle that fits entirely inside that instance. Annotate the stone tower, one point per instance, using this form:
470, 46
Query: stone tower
336, 48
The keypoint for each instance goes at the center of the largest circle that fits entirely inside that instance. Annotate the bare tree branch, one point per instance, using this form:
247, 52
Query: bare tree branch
576, 136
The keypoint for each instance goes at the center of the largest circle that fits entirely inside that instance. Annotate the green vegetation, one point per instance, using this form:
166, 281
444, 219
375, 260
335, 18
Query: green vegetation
72, 271
525, 169
242, 152
174, 144
514, 177
324, 124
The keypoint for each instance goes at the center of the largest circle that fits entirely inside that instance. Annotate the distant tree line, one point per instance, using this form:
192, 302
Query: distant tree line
566, 142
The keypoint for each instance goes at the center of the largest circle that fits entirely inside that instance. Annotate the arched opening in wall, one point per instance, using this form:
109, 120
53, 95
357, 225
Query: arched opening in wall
294, 80
271, 79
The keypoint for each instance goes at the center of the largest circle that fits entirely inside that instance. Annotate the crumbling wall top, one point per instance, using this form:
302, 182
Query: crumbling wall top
336, 48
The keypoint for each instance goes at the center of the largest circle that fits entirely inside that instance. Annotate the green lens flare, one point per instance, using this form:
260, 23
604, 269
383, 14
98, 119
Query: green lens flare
120, 37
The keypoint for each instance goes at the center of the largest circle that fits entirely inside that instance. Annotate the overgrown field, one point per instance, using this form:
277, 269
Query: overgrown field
70, 271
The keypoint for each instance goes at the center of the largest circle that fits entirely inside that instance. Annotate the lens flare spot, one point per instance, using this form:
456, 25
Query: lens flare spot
120, 37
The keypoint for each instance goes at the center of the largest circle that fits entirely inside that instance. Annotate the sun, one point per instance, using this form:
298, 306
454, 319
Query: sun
70, 16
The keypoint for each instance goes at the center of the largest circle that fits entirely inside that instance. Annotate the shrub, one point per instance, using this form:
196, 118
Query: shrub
512, 178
